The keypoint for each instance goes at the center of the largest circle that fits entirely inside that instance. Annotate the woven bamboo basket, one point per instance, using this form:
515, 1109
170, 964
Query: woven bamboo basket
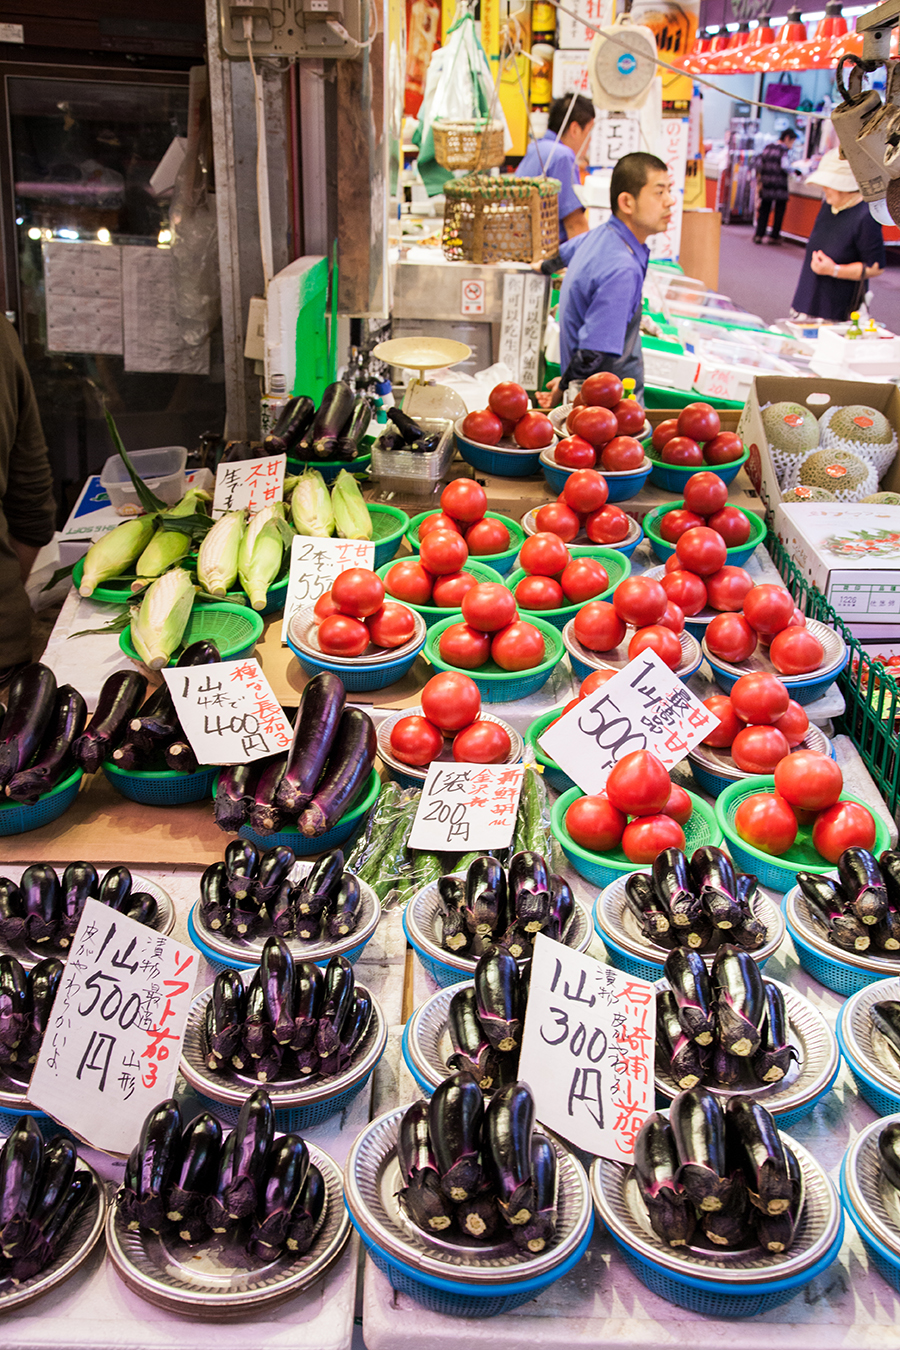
475, 144
489, 219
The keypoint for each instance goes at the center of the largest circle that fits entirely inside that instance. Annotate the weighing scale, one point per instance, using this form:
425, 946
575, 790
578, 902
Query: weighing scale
421, 354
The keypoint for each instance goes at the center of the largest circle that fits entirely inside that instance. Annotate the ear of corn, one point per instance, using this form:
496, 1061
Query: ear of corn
351, 515
115, 552
217, 560
158, 626
261, 554
168, 547
311, 508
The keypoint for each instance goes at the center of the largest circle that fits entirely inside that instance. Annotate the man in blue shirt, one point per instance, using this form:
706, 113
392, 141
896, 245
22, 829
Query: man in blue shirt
557, 158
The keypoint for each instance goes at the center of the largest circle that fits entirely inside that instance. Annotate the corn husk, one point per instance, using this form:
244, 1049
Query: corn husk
115, 552
217, 560
261, 553
158, 626
167, 547
311, 509
351, 515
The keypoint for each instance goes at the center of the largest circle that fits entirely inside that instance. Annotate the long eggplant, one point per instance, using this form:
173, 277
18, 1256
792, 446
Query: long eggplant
268, 1067
115, 888
284, 1177
43, 982
265, 817
729, 1226
306, 1212
540, 1228
517, 942
43, 902
689, 982
313, 893
315, 726
234, 794
863, 885
889, 1152
12, 911
731, 1071
57, 1171
497, 998
20, 1170
529, 891
421, 1195
156, 721
180, 758
224, 1017
274, 869
455, 935
775, 1054
714, 881
353, 1032
79, 881
257, 1033
276, 973
216, 905
672, 883
332, 416
158, 1150
54, 760
141, 907
508, 1127
826, 905
280, 909
13, 1006
44, 1249
344, 776
486, 895
562, 906
885, 1017
194, 1176
348, 442
254, 1133
759, 1150
655, 1168
698, 1128
309, 994
215, 1211
130, 756
344, 914
683, 1059
751, 934
121, 696
471, 1047
740, 1000
455, 1117
644, 903
886, 932
775, 1232
28, 712
889, 864
296, 416
241, 864
480, 1217
409, 430
337, 1001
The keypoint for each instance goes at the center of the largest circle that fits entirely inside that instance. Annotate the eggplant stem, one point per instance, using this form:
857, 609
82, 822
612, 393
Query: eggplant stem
710, 1204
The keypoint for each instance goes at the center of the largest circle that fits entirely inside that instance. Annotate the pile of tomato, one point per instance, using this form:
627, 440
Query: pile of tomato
491, 630
759, 723
696, 437
451, 707
640, 811
510, 415
602, 428
706, 506
642, 604
355, 613
554, 577
768, 615
583, 505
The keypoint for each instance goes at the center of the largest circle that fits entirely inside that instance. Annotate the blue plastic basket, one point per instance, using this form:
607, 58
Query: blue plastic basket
495, 685
801, 691
500, 562
711, 783
302, 845
885, 1103
421, 1080
828, 970
502, 463
296, 1117
672, 477
886, 1262
15, 818
442, 974
165, 788
220, 963
358, 679
622, 486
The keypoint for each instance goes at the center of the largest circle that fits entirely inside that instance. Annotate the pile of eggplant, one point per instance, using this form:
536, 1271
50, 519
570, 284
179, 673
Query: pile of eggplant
727, 1028
489, 907
726, 1170
38, 733
885, 1017
251, 893
889, 1153
26, 1000
335, 431
485, 1020
259, 1194
294, 1020
41, 1195
860, 911
312, 785
695, 905
478, 1171
42, 908
405, 434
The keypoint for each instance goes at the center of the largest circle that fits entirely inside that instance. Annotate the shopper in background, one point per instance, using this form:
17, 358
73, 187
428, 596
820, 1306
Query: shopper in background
772, 186
27, 508
845, 248
556, 157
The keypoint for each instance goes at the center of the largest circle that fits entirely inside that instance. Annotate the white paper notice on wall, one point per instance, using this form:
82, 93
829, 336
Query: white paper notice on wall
587, 1049
467, 806
228, 711
314, 565
643, 707
83, 297
249, 484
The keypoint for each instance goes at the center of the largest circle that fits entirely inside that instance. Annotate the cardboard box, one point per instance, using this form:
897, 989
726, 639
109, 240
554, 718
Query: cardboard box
818, 395
92, 516
850, 552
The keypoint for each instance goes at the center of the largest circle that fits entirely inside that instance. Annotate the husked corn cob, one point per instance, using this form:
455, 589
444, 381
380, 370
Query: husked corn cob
115, 552
311, 509
168, 547
217, 560
261, 553
159, 625
351, 515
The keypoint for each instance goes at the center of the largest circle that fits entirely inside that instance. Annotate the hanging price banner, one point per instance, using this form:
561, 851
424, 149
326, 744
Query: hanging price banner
314, 565
643, 707
467, 806
228, 712
249, 484
587, 1049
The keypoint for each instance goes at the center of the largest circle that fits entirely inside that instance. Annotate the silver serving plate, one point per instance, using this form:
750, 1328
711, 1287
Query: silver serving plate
835, 656
199, 1280
232, 1088
619, 1204
231, 949
371, 1182
632, 537
446, 756
28, 954
548, 457
720, 762
76, 1248
617, 921
867, 1045
559, 416
875, 1200
617, 658
423, 921
805, 1081
303, 631
797, 913
505, 446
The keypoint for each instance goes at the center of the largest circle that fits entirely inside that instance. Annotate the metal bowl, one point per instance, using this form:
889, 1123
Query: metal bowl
198, 1280
426, 1039
864, 1043
835, 657
875, 1200
630, 541
76, 1247
617, 657
797, 915
372, 1180
303, 631
446, 756
558, 416
720, 763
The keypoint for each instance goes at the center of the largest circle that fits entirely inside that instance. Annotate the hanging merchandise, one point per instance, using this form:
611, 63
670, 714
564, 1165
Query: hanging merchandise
192, 220
423, 24
784, 93
622, 65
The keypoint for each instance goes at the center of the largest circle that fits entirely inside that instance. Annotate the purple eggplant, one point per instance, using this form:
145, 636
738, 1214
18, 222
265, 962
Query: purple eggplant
740, 1001
158, 1150
12, 912
775, 1232
295, 418
269, 1065
280, 909
886, 932
194, 1176
455, 935
276, 973
344, 776
471, 1048
141, 907
155, 723
235, 788
180, 758
497, 998
120, 698
115, 888
885, 1017
455, 1117
774, 1056
337, 1000
224, 1017
683, 1059
731, 1071
216, 905
698, 1128
672, 883
535, 1235
745, 886
43, 1249
315, 727
562, 907
421, 1195
54, 760
714, 882
254, 1133
517, 942
129, 756
486, 895
42, 894
309, 995
889, 1153
315, 892
265, 817
215, 1211
353, 1032
757, 1146
689, 982
345, 911
332, 416
13, 1007
508, 1128
826, 906
275, 866
257, 1034
644, 903
889, 865
43, 981
479, 1216
306, 1212
28, 713
528, 887
751, 934
656, 1169
731, 1225
20, 1170
241, 865
863, 885
285, 1174
57, 1171
347, 447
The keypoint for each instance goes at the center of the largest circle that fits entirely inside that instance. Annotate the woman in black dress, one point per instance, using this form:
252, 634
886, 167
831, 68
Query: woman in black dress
845, 249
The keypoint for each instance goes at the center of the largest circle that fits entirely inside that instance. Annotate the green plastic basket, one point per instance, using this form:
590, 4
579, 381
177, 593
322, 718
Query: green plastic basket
501, 562
161, 787
329, 468
389, 524
495, 684
235, 629
116, 591
433, 614
17, 818
554, 776
618, 567
734, 557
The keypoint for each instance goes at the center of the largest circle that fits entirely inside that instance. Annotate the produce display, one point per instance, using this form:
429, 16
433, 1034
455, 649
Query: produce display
451, 706
756, 615
640, 810
757, 746
583, 505
693, 906
602, 427
333, 431
44, 1192
886, 1018
38, 734
859, 910
406, 434
491, 630
695, 437
842, 454
321, 513
574, 582
27, 1001
353, 618
640, 611
250, 894
474, 1171
42, 907
509, 419
808, 787
491, 905
485, 1020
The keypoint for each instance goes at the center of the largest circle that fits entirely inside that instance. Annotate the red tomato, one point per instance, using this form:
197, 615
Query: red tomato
602, 390
644, 839
574, 453
449, 590
539, 593
630, 417
451, 700
508, 400
572, 419
766, 822
543, 555
392, 625
509, 426
358, 592
759, 698
482, 743
640, 601
730, 638
486, 537
597, 425
443, 552
701, 550
723, 449
609, 525
681, 450
798, 618
844, 825
727, 587
534, 431
596, 680
483, 427
731, 524
659, 639
439, 521
729, 722
664, 432
464, 499
488, 606
583, 579
324, 606
796, 651
585, 491
809, 780
769, 608
621, 455
674, 564
639, 784
673, 524
598, 626
415, 740
339, 635
673, 617
594, 823
705, 493
759, 749
520, 646
686, 590
559, 519
794, 724
408, 580
464, 646
572, 703
679, 806
700, 421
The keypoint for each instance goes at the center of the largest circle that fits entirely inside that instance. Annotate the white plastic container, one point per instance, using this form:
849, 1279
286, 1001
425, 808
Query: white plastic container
163, 470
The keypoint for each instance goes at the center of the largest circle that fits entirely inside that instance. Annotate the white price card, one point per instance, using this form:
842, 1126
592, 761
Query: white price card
643, 707
314, 565
249, 484
228, 711
467, 806
587, 1049
112, 1046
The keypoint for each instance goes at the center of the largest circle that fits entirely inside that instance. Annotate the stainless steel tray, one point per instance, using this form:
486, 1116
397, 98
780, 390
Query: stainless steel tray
76, 1248
875, 1200
632, 537
835, 656
797, 913
864, 1041
720, 762
505, 446
617, 657
303, 631
446, 756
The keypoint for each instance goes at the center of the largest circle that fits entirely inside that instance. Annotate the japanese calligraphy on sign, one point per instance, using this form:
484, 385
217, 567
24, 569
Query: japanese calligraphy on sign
598, 13
467, 806
587, 1049
250, 484
614, 135
314, 565
113, 1042
644, 707
228, 711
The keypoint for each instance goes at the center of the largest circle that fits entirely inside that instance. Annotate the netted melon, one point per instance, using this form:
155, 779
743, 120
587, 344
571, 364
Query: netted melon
864, 431
840, 472
792, 431
808, 494
883, 499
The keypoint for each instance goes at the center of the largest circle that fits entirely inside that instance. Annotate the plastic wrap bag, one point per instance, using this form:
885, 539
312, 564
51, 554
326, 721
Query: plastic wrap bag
192, 220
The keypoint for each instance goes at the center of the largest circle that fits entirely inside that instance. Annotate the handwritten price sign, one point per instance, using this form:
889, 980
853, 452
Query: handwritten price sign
587, 1049
228, 712
113, 1043
644, 707
314, 565
249, 484
467, 806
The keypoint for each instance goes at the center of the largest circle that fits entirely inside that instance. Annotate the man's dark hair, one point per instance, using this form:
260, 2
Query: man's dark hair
582, 113
630, 175
788, 131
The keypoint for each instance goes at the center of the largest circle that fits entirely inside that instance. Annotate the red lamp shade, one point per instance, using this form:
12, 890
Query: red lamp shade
792, 31
816, 54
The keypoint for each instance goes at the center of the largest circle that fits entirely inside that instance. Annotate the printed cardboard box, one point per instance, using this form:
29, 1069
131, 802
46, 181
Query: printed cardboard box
851, 552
